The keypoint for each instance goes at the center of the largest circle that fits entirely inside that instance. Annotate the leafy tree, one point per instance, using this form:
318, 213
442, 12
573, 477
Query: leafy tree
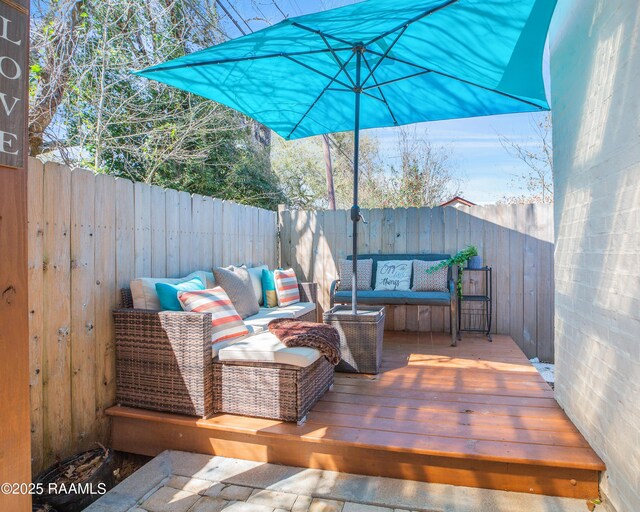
141, 129
537, 155
425, 176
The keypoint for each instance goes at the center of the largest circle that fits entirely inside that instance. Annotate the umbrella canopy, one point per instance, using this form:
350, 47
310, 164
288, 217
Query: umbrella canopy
423, 61
376, 63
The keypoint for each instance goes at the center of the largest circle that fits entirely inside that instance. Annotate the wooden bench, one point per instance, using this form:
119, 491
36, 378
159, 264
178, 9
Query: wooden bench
402, 298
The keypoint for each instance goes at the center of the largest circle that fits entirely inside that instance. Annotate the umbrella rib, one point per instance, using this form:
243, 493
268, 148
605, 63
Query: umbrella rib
321, 73
413, 20
336, 58
379, 85
375, 98
243, 59
384, 98
384, 56
446, 75
319, 32
326, 88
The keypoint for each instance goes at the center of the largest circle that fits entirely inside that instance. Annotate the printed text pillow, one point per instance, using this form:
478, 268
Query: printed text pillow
393, 275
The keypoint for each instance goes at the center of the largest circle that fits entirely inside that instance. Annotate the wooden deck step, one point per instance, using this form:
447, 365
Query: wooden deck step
453, 417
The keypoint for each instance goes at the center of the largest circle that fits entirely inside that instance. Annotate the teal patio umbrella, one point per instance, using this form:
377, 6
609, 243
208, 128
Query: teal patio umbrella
373, 64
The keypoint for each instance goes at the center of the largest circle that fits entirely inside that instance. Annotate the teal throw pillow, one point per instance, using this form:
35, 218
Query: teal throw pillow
168, 293
269, 296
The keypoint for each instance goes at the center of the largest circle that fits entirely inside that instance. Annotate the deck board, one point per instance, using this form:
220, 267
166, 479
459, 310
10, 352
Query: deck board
478, 414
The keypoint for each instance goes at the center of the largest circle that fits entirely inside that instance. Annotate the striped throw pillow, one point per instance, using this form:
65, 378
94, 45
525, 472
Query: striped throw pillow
225, 320
286, 287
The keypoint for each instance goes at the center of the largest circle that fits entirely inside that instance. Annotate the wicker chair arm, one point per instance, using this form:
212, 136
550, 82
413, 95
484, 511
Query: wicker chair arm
177, 317
452, 289
308, 292
178, 343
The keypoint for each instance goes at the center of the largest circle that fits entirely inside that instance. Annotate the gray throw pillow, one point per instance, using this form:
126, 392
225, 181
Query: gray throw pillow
236, 281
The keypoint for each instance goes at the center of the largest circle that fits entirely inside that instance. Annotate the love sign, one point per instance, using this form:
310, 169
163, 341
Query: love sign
14, 42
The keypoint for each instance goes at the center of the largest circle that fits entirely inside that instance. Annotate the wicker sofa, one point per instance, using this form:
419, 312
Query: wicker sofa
164, 362
402, 298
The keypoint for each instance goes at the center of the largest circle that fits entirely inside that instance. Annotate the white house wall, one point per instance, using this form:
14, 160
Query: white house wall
595, 84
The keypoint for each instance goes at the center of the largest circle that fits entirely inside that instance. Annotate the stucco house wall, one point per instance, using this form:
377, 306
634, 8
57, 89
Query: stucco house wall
595, 92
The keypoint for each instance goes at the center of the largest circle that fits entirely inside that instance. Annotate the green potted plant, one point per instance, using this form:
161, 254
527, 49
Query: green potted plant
460, 260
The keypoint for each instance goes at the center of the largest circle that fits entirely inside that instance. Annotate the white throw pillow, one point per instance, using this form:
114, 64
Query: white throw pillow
256, 280
143, 289
394, 275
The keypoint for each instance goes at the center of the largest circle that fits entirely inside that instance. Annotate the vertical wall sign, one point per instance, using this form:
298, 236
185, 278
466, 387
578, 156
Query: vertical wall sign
15, 432
14, 29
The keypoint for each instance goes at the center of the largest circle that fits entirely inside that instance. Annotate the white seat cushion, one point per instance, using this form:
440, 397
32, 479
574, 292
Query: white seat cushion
298, 309
260, 320
266, 348
217, 346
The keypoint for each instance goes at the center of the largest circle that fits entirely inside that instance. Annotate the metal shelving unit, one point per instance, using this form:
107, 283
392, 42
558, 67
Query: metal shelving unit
475, 315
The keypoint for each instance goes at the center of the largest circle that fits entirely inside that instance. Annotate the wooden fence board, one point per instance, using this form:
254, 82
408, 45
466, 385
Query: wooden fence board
185, 234
206, 233
142, 238
516, 281
529, 281
35, 218
83, 355
125, 233
172, 232
218, 237
57, 313
158, 228
106, 299
196, 229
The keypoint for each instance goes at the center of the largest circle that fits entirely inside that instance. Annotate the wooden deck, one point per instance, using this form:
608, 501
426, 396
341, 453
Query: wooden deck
477, 415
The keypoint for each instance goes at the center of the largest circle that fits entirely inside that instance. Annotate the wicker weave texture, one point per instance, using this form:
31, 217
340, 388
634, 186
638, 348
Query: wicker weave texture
163, 361
360, 341
267, 390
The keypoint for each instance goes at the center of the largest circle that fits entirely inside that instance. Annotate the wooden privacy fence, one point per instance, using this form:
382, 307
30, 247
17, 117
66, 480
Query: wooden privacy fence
517, 241
89, 235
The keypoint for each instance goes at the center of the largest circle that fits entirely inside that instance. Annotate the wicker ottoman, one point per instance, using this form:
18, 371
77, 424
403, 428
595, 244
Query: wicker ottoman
360, 337
270, 390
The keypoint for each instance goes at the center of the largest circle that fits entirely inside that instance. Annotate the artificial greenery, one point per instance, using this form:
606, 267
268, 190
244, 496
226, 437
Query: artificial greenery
460, 259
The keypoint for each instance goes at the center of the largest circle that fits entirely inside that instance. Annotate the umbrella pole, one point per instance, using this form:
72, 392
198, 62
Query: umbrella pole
355, 209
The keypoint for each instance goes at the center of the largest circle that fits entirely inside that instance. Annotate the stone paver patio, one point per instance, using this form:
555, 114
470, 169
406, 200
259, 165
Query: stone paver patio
187, 482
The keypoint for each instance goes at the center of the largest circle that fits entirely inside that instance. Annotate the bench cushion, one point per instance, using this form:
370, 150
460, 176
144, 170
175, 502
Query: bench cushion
397, 298
266, 348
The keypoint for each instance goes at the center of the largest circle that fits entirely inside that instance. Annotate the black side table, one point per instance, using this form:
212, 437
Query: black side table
475, 316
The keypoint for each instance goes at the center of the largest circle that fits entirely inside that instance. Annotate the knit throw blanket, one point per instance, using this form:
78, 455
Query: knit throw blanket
293, 333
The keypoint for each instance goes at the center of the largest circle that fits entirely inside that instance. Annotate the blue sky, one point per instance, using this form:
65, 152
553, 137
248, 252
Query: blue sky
481, 162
